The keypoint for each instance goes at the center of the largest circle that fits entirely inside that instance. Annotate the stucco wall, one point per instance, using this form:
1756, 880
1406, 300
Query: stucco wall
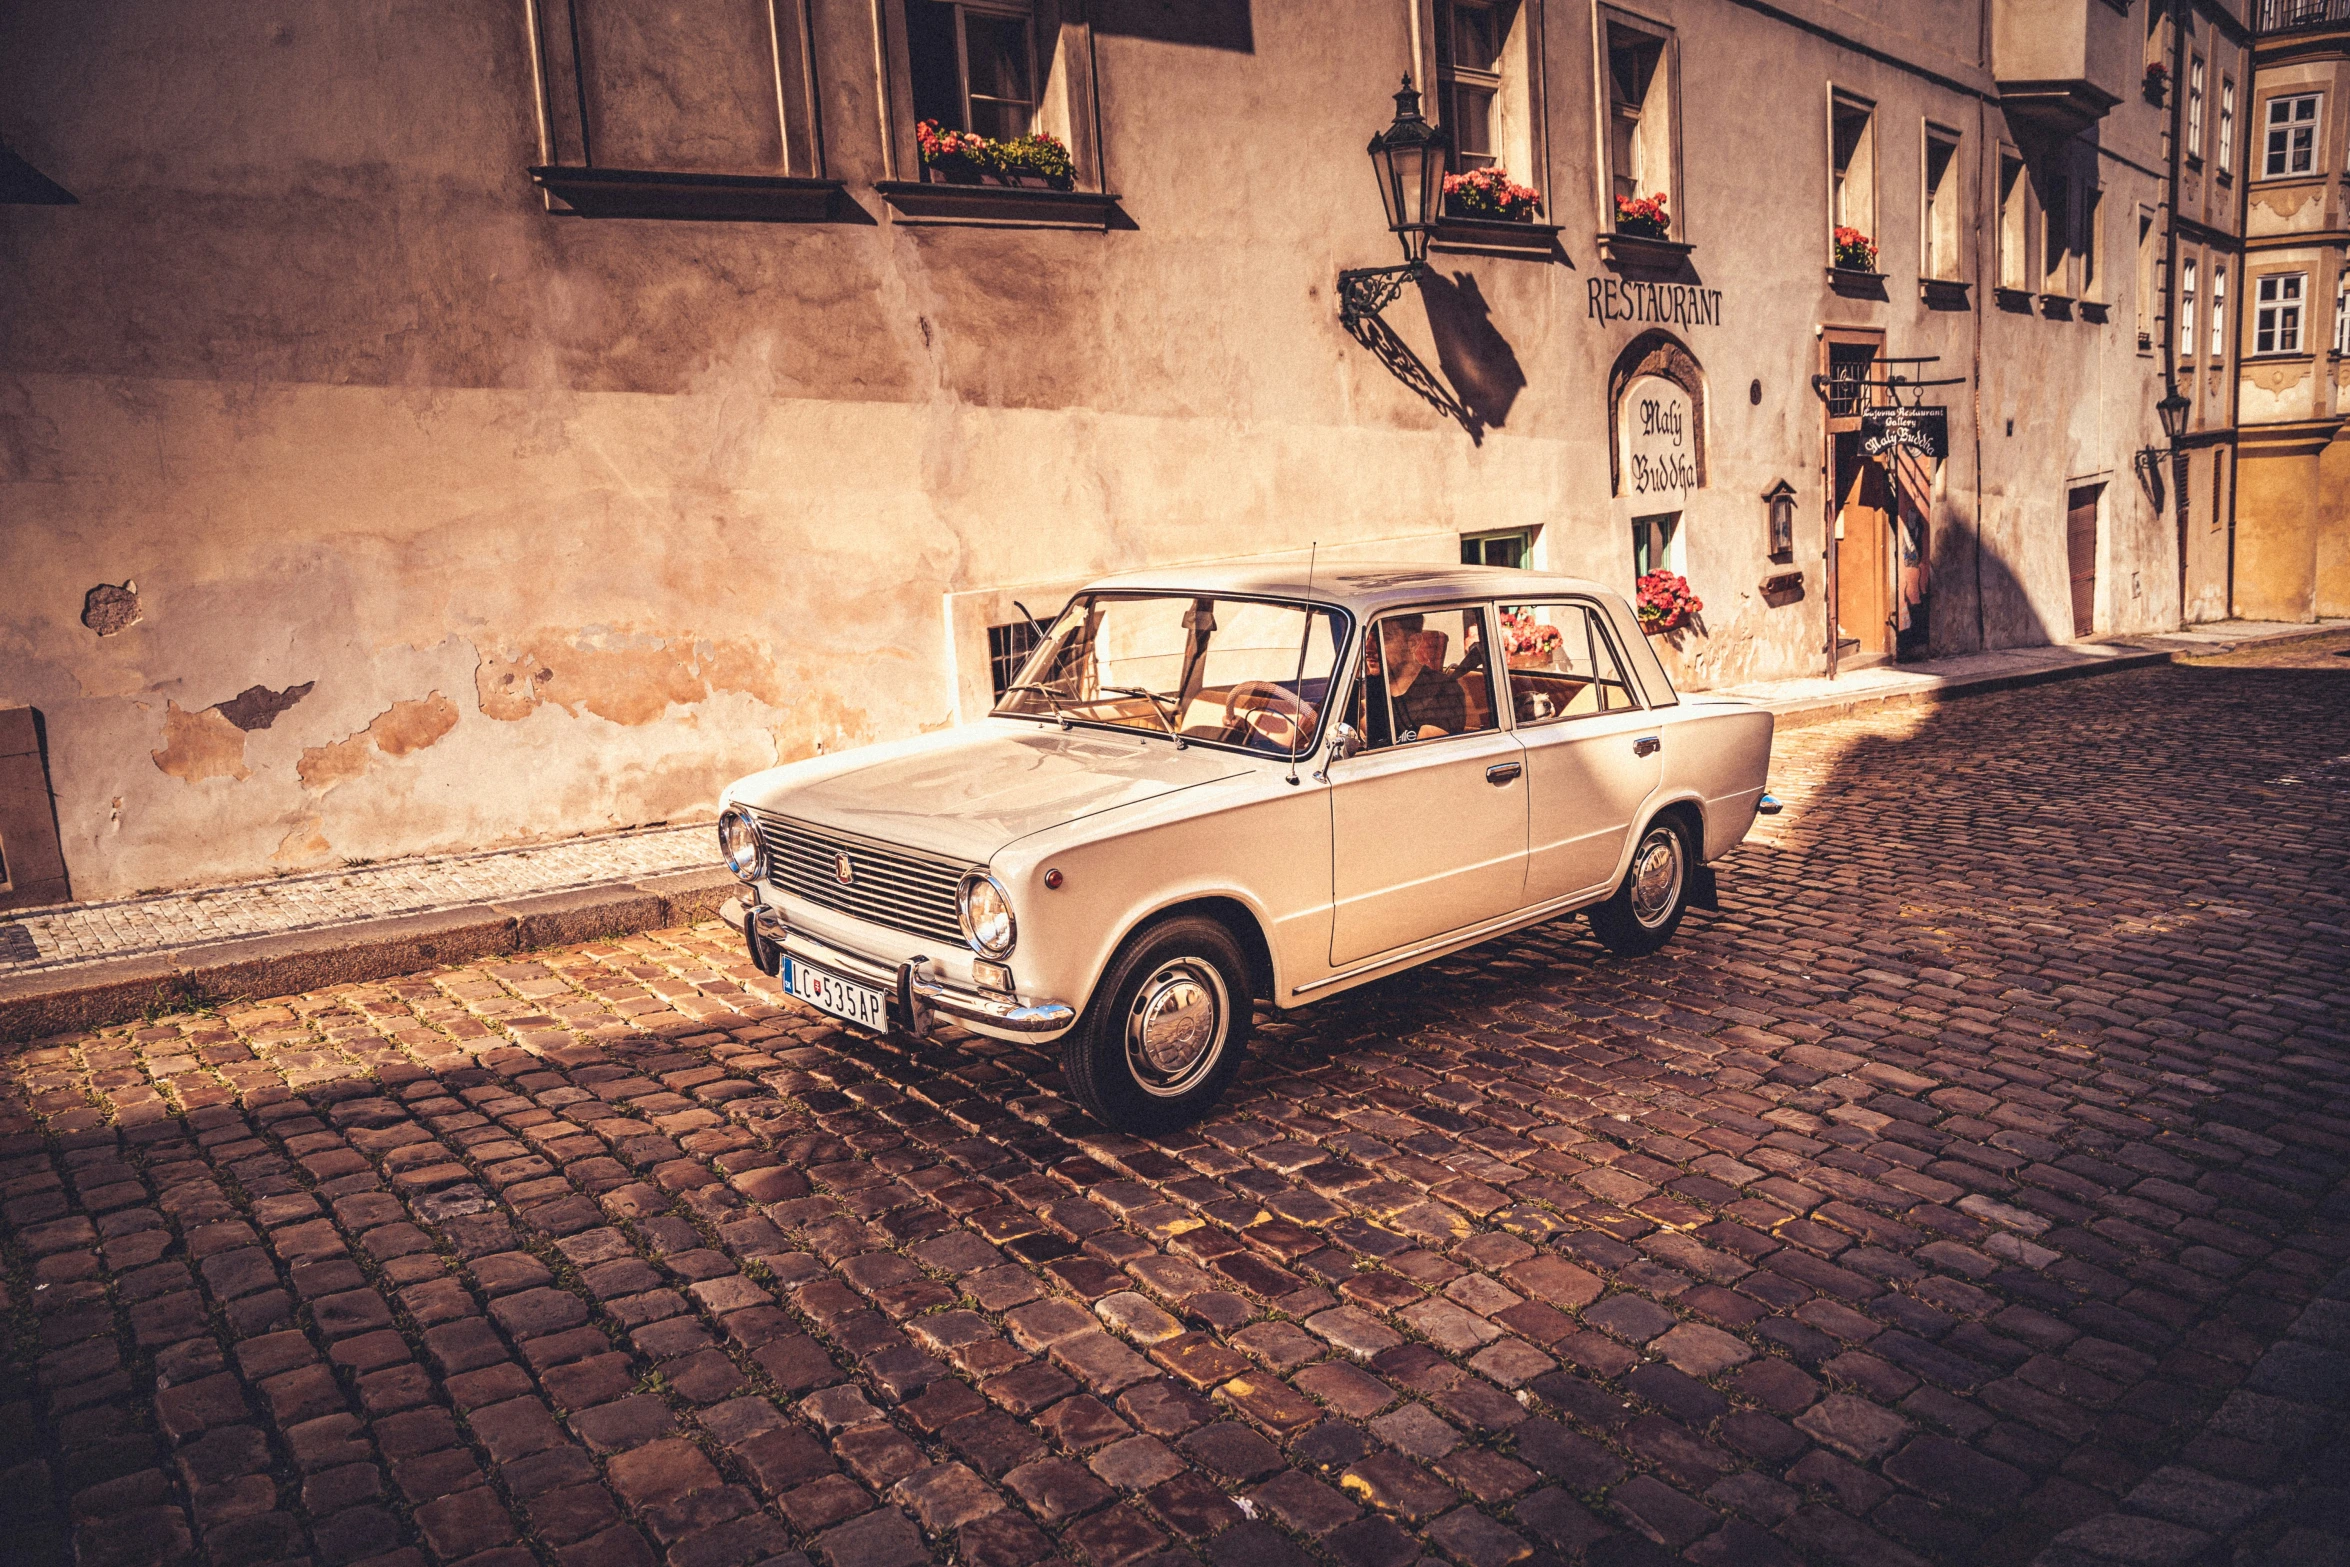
452, 522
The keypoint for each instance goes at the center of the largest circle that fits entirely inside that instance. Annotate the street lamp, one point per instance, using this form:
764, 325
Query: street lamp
2172, 411
1408, 157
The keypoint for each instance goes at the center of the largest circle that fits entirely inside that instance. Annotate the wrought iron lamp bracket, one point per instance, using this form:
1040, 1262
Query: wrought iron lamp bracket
1365, 291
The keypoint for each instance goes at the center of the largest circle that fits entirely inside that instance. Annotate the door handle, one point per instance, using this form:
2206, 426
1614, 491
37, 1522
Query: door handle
1647, 745
1502, 772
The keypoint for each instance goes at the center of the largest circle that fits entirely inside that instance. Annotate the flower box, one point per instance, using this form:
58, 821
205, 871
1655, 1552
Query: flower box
1489, 196
1034, 162
1643, 218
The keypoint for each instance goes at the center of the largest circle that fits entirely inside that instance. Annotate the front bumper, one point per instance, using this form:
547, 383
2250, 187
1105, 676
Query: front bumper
914, 996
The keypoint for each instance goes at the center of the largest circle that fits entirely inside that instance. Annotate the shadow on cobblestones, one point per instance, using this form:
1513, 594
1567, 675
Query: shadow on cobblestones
1967, 1190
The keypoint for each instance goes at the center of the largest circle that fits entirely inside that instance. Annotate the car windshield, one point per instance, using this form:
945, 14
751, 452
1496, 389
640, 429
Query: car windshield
1221, 671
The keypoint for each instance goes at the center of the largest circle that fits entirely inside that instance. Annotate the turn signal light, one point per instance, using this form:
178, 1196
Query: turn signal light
992, 976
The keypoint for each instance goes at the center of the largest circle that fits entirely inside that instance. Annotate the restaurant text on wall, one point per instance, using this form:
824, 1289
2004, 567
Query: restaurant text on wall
1653, 304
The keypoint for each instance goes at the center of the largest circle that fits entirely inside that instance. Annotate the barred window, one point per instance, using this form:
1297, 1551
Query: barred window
1008, 648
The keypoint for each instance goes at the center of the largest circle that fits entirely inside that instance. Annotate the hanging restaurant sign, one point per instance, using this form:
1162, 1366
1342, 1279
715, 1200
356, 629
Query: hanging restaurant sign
1920, 432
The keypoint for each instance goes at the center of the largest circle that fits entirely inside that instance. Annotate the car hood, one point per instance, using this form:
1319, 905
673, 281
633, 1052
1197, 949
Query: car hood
968, 792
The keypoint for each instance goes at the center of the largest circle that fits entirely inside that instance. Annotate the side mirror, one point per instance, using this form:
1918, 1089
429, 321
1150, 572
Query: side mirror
1345, 740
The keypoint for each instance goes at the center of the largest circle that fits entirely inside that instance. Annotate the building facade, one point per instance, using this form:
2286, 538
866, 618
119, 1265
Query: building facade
2293, 523
446, 425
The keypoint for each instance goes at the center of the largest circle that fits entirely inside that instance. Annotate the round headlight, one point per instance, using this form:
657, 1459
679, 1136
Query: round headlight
738, 840
987, 916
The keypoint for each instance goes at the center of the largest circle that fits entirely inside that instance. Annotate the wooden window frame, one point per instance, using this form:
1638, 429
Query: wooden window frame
1664, 79
1064, 81
2190, 292
2225, 149
2299, 304
2195, 106
1840, 177
1933, 265
2317, 120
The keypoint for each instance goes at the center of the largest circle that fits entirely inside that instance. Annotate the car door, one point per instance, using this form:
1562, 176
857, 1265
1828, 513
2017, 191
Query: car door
1428, 821
1593, 754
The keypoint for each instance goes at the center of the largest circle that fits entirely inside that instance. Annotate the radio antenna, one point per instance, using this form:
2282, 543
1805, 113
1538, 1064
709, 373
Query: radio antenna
1298, 695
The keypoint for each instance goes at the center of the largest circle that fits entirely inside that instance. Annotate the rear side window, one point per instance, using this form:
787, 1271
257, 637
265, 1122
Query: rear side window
1563, 663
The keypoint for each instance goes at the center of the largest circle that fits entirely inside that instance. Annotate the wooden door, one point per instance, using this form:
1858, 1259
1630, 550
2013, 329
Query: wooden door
1864, 602
2080, 552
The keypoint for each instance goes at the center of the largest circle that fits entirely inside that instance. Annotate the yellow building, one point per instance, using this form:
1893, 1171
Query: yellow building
2292, 555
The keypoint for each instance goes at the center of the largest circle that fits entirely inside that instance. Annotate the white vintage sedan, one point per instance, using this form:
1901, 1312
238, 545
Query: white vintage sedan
1217, 787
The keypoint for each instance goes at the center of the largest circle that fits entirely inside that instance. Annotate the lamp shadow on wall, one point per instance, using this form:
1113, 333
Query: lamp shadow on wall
1477, 376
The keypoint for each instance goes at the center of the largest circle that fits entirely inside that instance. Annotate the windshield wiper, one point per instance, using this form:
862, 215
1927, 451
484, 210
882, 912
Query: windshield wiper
1048, 693
1152, 697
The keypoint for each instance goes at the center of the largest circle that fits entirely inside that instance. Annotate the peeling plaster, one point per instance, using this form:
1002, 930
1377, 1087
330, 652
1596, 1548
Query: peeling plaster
109, 609
629, 678
201, 745
257, 707
399, 730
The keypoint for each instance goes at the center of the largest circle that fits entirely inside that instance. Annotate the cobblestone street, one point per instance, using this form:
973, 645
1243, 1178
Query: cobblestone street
1970, 1188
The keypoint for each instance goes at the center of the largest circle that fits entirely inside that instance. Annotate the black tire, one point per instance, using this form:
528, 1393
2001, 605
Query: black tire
1646, 910
1184, 967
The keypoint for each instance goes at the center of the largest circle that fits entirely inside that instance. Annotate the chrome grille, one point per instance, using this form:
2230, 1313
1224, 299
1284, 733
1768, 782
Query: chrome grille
901, 888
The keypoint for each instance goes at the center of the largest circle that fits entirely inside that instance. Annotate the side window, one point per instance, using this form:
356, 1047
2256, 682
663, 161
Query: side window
1562, 663
1426, 675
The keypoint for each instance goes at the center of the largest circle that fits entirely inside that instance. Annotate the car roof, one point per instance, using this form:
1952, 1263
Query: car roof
1365, 587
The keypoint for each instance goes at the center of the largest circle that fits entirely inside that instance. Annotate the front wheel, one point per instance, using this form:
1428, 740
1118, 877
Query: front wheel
1647, 908
1166, 1030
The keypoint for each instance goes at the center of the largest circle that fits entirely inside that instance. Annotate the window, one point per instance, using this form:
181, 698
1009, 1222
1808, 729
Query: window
2014, 212
2342, 314
2224, 154
1514, 549
1944, 221
1853, 184
974, 65
1425, 676
1848, 393
2145, 280
1653, 539
2187, 310
1008, 648
1219, 671
2056, 234
1469, 36
1562, 663
2276, 314
2219, 309
2195, 110
2292, 136
1641, 145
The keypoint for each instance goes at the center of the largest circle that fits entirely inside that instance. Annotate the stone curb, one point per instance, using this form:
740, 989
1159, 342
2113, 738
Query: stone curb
1804, 712
115, 990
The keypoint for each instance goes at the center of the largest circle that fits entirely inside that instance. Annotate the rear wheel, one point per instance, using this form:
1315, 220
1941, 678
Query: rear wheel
1166, 1030
1647, 908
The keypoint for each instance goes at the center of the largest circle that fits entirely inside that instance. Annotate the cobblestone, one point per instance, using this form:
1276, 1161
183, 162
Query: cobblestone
1970, 1188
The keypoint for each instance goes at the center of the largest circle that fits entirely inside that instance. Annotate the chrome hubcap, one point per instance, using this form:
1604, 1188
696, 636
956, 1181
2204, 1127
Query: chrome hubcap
1656, 877
1175, 1030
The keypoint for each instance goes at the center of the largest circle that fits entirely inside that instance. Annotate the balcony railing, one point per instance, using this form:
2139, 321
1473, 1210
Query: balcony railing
2292, 16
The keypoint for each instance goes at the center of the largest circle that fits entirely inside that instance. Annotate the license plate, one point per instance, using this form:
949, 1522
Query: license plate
853, 1003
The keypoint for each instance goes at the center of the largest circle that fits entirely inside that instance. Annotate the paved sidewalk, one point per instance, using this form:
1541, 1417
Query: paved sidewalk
120, 927
1817, 699
82, 965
